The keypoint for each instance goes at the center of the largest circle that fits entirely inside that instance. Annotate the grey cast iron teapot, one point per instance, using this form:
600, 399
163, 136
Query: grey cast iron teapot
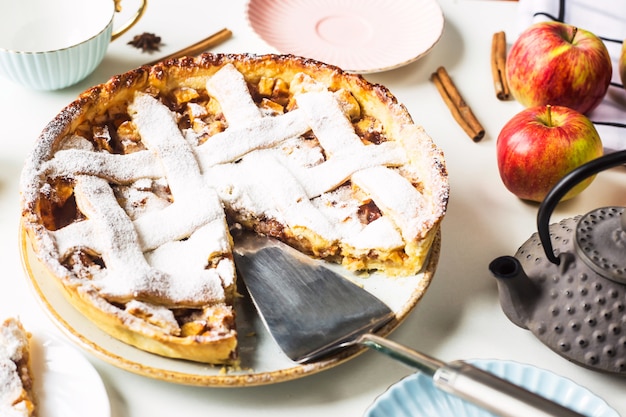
567, 283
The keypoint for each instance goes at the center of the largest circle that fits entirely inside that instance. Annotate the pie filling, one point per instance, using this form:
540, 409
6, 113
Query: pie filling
131, 190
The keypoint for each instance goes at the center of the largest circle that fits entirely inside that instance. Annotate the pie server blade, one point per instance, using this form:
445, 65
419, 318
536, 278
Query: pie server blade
311, 312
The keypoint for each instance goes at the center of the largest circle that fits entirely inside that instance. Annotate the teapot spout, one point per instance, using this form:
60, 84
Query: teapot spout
517, 293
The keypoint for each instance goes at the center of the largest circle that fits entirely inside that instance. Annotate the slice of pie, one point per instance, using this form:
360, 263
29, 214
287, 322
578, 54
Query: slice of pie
16, 382
130, 191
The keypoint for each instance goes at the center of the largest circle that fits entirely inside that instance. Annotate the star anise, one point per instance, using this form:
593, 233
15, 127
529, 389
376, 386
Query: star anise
147, 42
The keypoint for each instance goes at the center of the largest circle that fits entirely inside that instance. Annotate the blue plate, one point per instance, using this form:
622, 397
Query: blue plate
416, 396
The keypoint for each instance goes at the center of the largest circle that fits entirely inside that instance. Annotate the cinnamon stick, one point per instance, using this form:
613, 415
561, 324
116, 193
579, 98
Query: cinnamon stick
461, 112
198, 47
498, 62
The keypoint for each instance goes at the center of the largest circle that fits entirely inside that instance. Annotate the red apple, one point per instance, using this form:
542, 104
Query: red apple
539, 145
558, 64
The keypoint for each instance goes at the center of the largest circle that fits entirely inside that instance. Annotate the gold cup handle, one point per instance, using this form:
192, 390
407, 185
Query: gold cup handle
131, 22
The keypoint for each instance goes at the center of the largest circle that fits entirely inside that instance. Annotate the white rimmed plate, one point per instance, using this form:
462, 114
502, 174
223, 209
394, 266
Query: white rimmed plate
361, 36
416, 396
66, 384
262, 362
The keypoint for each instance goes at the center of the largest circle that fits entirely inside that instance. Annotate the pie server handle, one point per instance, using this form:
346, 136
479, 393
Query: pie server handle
472, 384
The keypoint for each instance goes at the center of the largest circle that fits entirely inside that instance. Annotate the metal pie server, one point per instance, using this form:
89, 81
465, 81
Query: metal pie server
311, 312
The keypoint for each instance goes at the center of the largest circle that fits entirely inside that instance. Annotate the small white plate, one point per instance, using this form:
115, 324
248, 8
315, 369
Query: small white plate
361, 36
416, 396
66, 384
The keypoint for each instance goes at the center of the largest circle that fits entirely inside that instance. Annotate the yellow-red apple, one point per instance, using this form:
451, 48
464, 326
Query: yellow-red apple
540, 145
558, 64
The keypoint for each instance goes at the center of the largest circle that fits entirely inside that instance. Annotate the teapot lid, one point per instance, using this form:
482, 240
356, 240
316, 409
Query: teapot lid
601, 242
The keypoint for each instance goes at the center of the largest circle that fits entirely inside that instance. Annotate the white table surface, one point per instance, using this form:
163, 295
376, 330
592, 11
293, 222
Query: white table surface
459, 318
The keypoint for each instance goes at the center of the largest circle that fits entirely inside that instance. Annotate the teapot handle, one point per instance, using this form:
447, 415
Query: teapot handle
562, 187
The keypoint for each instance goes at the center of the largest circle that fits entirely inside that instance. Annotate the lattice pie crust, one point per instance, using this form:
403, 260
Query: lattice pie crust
130, 191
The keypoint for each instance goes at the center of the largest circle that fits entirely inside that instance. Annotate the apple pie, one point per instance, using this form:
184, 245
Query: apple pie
16, 382
131, 191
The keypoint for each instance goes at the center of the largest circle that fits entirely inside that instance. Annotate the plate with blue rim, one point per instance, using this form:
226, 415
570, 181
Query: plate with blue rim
416, 395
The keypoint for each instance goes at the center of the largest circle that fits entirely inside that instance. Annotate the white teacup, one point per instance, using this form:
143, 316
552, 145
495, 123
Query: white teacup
53, 44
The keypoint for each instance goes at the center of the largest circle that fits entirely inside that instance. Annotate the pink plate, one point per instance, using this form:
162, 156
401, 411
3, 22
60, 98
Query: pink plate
361, 36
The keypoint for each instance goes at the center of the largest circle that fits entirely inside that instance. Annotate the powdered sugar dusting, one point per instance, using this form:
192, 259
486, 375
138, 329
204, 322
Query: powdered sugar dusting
14, 340
170, 251
230, 89
265, 132
113, 167
394, 195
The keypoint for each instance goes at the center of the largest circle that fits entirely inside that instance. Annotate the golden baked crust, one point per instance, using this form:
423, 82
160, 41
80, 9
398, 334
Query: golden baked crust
286, 146
16, 381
